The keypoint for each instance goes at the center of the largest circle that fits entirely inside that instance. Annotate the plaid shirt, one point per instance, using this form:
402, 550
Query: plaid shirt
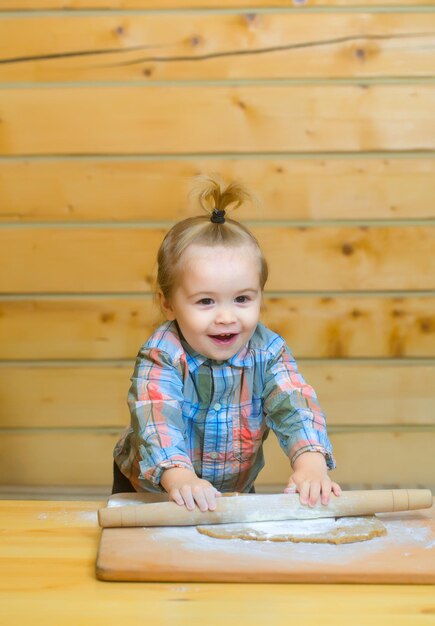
213, 416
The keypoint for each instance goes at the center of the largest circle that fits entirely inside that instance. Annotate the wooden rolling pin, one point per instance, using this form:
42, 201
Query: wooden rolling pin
262, 508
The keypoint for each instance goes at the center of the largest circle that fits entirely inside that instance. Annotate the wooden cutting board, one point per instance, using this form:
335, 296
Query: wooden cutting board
405, 555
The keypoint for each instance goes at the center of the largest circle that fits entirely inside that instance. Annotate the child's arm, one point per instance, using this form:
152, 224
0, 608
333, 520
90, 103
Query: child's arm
157, 440
186, 488
310, 479
293, 413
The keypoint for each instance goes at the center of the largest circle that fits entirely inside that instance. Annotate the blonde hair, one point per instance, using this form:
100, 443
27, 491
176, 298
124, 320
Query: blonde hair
213, 194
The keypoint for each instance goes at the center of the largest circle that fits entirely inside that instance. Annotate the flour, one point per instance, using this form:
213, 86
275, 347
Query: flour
402, 534
65, 517
88, 516
188, 538
406, 531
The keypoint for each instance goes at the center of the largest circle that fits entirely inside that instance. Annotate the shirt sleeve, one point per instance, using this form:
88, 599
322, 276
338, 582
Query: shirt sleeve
155, 401
292, 410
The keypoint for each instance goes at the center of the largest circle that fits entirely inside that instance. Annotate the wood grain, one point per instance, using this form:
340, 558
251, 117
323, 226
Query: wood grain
84, 457
92, 395
81, 328
111, 259
366, 326
210, 4
170, 119
65, 396
76, 152
366, 458
59, 572
71, 190
213, 46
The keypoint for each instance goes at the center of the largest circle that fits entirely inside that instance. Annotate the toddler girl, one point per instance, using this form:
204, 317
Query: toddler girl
212, 380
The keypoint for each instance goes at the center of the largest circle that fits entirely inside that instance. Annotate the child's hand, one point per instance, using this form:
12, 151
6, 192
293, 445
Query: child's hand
185, 488
310, 479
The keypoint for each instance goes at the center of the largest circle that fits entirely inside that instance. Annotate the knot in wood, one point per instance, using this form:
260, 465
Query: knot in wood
347, 249
195, 40
426, 325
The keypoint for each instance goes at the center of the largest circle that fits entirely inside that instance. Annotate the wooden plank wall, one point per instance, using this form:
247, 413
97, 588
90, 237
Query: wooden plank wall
324, 108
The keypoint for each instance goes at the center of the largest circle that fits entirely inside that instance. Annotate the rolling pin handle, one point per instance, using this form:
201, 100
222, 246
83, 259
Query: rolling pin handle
419, 499
110, 518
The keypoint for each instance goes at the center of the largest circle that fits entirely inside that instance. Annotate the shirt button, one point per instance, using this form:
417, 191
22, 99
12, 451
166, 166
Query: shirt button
217, 406
214, 455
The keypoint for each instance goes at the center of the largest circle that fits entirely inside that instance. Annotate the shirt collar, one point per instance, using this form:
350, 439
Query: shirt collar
194, 359
242, 358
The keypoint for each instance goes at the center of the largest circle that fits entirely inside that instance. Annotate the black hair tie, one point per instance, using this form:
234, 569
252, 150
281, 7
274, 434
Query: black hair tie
218, 216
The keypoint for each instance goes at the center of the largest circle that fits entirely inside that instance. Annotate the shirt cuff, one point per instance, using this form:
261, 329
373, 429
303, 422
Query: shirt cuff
311, 441
153, 474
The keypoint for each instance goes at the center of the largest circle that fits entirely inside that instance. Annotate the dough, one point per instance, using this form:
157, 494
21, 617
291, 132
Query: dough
320, 530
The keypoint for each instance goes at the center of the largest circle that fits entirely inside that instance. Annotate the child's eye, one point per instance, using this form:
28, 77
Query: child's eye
205, 301
242, 299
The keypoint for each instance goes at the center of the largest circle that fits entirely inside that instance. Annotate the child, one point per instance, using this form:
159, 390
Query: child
211, 381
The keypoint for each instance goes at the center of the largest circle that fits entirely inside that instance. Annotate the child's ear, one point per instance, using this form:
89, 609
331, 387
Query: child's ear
166, 307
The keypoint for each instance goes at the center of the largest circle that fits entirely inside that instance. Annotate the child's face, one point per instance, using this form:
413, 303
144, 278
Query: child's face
217, 300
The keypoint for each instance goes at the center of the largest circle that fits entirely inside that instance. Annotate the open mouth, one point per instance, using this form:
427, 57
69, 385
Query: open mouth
224, 339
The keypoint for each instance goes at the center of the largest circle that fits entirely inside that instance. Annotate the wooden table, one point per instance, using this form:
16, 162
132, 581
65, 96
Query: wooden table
47, 577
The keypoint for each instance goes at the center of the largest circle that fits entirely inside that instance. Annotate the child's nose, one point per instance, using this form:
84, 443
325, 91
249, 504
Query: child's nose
225, 315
